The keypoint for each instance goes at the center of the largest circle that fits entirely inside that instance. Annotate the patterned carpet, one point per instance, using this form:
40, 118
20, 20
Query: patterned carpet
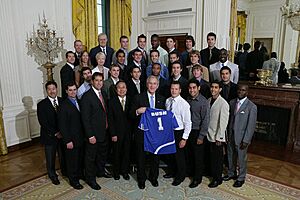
254, 188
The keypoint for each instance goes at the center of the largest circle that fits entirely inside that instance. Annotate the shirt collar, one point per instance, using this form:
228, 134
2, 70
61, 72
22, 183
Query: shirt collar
136, 81
52, 99
71, 65
137, 64
176, 79
148, 93
172, 49
120, 98
241, 101
141, 49
225, 63
96, 91
114, 80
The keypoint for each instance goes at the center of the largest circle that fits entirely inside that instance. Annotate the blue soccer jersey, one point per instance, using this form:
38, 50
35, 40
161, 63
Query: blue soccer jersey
158, 126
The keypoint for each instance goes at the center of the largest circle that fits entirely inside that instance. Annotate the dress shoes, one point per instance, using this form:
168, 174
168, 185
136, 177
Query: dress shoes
154, 183
227, 178
94, 185
238, 183
55, 181
76, 185
214, 184
195, 183
116, 177
126, 176
168, 175
141, 185
176, 182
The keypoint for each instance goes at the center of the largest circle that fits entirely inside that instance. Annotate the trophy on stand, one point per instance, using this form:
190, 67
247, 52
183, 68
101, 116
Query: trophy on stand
265, 76
45, 46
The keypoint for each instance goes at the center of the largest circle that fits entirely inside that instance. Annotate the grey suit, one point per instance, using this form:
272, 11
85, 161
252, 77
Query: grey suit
241, 129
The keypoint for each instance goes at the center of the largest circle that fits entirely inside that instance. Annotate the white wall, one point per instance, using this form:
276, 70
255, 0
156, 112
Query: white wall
21, 79
197, 22
265, 21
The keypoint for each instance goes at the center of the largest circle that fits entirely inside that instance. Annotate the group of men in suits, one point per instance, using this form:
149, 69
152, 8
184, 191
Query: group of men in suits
108, 111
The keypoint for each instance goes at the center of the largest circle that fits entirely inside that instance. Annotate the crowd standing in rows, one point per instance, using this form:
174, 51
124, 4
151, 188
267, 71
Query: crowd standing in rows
105, 93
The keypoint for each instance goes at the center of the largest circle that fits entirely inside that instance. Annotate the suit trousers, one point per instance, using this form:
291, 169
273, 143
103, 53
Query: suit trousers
216, 161
236, 154
179, 157
50, 154
95, 159
121, 150
141, 161
74, 161
196, 156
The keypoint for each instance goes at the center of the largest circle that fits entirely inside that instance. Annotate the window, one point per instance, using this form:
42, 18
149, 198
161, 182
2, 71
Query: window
101, 16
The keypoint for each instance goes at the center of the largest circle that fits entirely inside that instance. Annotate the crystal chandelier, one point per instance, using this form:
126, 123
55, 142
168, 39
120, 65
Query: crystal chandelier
44, 46
291, 12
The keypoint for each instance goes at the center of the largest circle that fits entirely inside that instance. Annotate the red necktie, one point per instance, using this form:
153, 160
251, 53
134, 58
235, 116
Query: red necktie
103, 105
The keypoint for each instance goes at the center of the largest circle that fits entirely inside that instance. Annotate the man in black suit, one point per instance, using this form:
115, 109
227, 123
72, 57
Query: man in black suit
78, 51
67, 74
140, 103
141, 42
95, 122
137, 56
197, 71
163, 88
229, 89
102, 47
50, 134
134, 84
70, 126
176, 76
119, 128
210, 55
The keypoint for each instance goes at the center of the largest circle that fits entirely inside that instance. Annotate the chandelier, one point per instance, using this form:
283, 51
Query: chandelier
291, 12
45, 46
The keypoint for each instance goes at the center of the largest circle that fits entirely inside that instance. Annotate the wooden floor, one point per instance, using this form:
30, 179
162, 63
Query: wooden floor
29, 163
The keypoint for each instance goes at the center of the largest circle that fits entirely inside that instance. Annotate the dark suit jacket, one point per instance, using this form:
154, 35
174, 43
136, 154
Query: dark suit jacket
142, 100
67, 75
47, 118
204, 55
232, 91
163, 88
118, 120
93, 115
242, 124
70, 126
108, 59
130, 58
143, 71
131, 88
204, 88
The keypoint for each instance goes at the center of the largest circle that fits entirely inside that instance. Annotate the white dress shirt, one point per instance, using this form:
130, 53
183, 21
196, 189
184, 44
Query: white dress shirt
181, 110
51, 99
137, 84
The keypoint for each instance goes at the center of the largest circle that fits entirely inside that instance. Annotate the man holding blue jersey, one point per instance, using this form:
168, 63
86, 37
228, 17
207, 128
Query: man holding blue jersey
146, 99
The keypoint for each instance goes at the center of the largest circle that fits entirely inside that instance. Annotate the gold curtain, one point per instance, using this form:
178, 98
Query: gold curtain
120, 21
85, 25
3, 147
241, 24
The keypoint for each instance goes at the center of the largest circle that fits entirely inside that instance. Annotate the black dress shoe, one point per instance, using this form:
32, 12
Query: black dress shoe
238, 183
55, 181
154, 183
141, 185
126, 176
76, 186
227, 178
214, 184
116, 177
94, 185
195, 183
176, 182
168, 175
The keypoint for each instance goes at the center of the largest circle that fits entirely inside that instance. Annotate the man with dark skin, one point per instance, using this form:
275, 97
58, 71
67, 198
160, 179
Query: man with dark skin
243, 115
